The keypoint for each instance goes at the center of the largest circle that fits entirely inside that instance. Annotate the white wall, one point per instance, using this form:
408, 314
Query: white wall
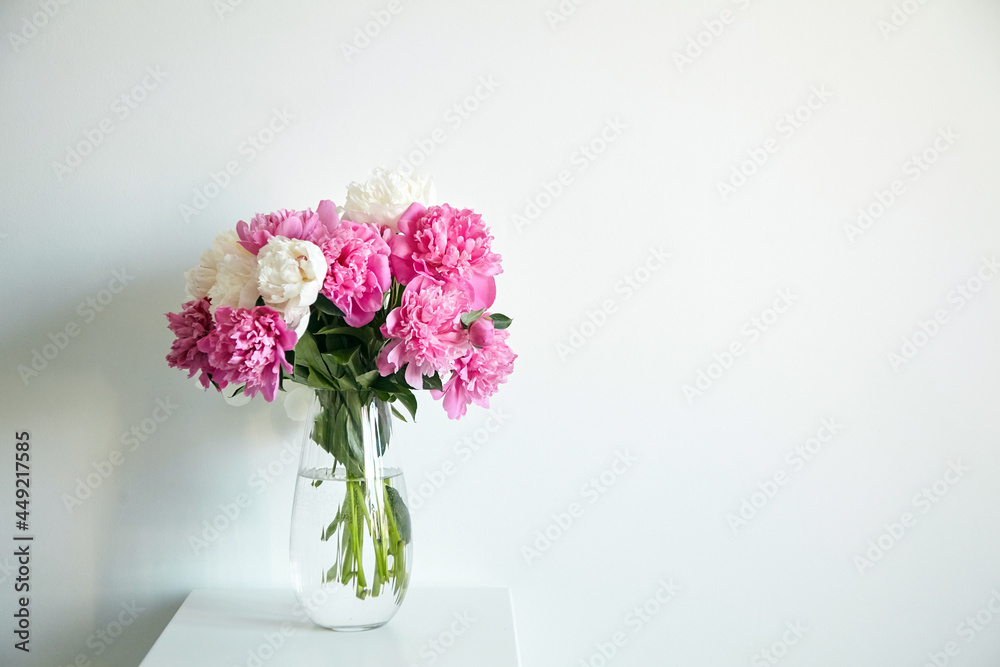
686, 127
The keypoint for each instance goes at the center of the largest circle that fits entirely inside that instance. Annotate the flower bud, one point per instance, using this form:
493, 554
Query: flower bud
481, 332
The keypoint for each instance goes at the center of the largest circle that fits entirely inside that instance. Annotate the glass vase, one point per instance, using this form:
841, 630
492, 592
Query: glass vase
350, 543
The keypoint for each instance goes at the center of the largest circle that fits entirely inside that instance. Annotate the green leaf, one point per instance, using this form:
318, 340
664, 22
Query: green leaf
366, 379
301, 374
469, 318
259, 302
399, 415
320, 381
326, 306
408, 400
307, 352
500, 321
347, 383
353, 402
341, 357
355, 446
339, 439
433, 382
400, 513
385, 384
332, 528
363, 334
355, 428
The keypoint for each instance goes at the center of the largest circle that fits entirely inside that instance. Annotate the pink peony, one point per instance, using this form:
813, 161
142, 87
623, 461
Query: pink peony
248, 346
477, 376
305, 225
358, 275
449, 245
425, 331
192, 324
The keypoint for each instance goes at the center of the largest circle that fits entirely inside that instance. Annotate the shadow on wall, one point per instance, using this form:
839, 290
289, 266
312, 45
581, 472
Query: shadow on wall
129, 459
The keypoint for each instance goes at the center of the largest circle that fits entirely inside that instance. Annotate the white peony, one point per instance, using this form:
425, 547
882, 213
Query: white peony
201, 278
290, 274
297, 319
385, 196
227, 274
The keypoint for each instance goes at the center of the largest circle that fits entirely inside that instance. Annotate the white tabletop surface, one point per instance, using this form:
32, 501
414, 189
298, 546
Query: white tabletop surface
444, 627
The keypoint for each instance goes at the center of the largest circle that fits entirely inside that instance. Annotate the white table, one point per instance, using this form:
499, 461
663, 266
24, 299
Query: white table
445, 627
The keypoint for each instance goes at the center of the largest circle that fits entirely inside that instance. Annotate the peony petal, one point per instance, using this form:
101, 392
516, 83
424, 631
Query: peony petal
414, 377
327, 212
453, 403
401, 261
291, 227
484, 289
379, 266
384, 364
414, 212
359, 319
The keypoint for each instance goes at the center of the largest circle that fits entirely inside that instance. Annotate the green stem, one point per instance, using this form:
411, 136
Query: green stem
339, 428
353, 493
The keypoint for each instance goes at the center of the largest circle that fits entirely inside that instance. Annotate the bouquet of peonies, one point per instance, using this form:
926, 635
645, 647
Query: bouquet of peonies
362, 304
387, 294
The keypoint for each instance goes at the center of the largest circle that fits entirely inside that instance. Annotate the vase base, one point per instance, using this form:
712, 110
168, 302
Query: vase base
352, 628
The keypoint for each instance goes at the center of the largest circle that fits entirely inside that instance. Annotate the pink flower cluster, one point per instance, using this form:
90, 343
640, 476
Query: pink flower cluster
240, 346
193, 323
358, 274
444, 259
425, 333
248, 346
447, 245
306, 225
477, 376
439, 267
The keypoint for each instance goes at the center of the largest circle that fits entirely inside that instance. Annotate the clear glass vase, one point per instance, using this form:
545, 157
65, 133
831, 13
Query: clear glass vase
350, 546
